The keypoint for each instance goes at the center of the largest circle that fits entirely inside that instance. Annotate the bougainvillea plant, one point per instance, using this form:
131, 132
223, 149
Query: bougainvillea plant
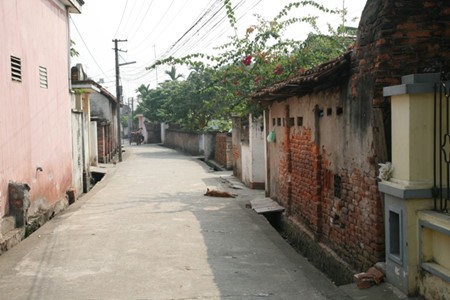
223, 83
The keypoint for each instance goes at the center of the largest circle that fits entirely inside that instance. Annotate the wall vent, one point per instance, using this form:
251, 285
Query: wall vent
43, 81
16, 69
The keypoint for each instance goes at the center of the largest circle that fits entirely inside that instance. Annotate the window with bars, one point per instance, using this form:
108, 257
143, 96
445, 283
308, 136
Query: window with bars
43, 81
16, 69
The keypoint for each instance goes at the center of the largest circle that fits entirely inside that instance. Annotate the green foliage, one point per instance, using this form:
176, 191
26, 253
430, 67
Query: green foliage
220, 86
124, 121
173, 74
73, 52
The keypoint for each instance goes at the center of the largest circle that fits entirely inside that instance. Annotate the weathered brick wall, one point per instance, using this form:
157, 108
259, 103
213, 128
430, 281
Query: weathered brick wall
397, 38
323, 164
236, 148
102, 143
351, 222
222, 150
323, 145
305, 180
354, 221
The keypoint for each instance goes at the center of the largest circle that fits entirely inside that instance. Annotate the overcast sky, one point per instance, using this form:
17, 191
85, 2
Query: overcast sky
155, 29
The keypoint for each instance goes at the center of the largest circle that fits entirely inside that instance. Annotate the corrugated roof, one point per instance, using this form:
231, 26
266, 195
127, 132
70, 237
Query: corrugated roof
323, 76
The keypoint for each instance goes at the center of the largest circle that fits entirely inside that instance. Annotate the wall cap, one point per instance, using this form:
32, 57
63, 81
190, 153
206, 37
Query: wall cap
401, 192
414, 84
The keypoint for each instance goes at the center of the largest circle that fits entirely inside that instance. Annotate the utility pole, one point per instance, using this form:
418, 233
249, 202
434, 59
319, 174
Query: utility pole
132, 109
119, 94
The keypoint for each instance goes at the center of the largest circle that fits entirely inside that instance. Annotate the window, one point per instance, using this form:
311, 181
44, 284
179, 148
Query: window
291, 122
337, 186
16, 69
43, 81
394, 248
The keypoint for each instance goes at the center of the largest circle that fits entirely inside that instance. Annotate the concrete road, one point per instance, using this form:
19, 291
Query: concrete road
147, 232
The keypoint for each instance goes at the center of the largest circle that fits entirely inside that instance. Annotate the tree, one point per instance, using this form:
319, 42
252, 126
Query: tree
173, 74
221, 85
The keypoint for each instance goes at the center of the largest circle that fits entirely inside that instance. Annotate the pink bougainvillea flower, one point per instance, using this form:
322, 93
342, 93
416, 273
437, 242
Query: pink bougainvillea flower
247, 60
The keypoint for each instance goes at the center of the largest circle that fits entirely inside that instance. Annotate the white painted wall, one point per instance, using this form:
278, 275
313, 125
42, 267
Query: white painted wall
93, 144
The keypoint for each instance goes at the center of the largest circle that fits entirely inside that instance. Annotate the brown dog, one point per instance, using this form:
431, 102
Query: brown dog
214, 193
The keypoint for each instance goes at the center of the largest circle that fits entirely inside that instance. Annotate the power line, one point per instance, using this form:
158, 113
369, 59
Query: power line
142, 20
120, 23
87, 48
128, 18
189, 43
162, 17
192, 27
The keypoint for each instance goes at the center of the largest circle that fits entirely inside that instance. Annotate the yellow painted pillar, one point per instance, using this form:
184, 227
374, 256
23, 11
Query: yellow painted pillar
408, 191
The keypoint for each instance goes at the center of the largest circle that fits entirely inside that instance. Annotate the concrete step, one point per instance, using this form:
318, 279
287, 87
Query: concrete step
11, 238
7, 224
266, 205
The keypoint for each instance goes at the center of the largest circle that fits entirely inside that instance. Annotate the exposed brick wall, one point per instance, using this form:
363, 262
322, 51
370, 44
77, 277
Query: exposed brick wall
354, 221
305, 177
351, 223
397, 38
307, 161
101, 143
223, 150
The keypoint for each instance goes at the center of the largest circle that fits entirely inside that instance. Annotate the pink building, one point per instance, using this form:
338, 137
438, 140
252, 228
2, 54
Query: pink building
35, 114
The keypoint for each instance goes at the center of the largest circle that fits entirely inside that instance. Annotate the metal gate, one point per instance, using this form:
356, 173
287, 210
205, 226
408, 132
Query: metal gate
441, 153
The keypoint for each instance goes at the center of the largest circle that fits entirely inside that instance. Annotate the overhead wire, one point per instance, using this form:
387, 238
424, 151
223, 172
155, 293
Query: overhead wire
191, 28
194, 42
173, 19
87, 48
189, 43
142, 21
129, 16
204, 12
210, 29
157, 24
120, 22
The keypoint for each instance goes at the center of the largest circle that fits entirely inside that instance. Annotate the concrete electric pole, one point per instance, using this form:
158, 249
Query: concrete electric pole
119, 94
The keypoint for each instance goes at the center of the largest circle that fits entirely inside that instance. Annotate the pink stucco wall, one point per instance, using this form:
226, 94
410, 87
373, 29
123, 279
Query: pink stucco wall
35, 122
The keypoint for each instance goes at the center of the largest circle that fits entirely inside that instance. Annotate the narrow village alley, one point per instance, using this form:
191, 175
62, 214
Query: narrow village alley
146, 231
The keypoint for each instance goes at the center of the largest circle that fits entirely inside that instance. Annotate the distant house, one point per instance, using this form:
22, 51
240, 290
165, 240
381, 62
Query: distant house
104, 114
100, 118
35, 128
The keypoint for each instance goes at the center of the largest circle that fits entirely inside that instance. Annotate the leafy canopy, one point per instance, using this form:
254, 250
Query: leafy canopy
220, 86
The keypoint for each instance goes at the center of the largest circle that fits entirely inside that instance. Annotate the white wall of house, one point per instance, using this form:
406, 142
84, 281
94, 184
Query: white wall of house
93, 153
253, 170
